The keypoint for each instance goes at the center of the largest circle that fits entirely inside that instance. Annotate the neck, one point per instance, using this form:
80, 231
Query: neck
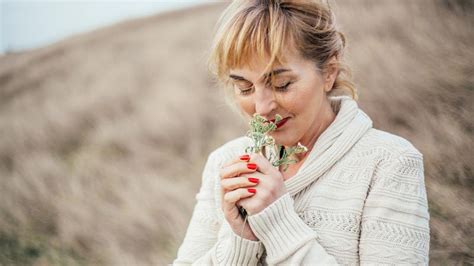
327, 117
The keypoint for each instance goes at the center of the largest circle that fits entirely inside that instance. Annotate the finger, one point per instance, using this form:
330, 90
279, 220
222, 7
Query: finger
244, 202
241, 158
231, 197
263, 165
254, 180
239, 182
237, 169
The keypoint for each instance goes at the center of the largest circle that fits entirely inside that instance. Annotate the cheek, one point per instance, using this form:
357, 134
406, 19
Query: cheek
293, 101
246, 105
302, 100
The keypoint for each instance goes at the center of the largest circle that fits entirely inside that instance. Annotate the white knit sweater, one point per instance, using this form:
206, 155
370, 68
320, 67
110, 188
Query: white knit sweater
359, 198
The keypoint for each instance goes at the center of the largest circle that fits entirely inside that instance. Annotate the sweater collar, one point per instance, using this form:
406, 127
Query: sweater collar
350, 124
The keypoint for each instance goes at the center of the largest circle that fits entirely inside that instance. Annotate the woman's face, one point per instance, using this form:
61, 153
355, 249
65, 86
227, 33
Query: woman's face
299, 97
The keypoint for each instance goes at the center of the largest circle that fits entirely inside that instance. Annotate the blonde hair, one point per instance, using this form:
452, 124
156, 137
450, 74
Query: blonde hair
259, 28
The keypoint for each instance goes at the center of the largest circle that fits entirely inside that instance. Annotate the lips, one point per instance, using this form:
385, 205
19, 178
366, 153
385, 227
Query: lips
281, 122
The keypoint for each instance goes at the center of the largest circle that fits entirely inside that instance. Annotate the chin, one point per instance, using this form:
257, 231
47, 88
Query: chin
284, 138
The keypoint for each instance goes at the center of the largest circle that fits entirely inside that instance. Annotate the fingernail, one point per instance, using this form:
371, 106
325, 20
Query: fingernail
245, 157
252, 190
253, 180
252, 166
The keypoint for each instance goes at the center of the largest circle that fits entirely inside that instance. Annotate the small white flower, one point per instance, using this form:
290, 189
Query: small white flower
300, 148
269, 140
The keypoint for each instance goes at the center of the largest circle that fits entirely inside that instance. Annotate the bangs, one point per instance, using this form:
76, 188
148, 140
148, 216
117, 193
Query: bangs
254, 33
250, 31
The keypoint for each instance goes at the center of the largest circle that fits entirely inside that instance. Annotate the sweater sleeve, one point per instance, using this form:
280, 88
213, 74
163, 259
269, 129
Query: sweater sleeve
395, 219
287, 239
394, 229
202, 243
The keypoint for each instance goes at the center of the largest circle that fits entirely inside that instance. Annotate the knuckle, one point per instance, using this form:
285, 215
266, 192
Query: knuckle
278, 175
272, 191
223, 183
233, 186
259, 203
234, 183
275, 173
264, 195
227, 197
221, 173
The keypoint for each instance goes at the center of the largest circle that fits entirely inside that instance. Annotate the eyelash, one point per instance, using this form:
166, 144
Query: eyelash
282, 89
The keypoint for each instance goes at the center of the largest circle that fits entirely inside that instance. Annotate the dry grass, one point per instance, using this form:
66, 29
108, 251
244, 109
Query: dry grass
104, 135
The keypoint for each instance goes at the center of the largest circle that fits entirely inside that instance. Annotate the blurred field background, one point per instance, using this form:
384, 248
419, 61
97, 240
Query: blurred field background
103, 136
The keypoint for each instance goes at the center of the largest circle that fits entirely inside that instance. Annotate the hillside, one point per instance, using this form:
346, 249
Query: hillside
104, 135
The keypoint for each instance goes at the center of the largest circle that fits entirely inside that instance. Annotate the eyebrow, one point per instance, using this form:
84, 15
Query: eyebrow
274, 72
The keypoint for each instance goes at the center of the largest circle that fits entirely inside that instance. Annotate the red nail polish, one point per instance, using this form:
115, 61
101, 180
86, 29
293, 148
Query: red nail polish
252, 190
253, 180
252, 166
245, 157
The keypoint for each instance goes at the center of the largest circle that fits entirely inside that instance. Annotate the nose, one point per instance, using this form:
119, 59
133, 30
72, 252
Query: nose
265, 102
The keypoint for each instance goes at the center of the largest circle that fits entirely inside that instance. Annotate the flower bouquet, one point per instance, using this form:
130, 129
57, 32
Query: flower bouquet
265, 145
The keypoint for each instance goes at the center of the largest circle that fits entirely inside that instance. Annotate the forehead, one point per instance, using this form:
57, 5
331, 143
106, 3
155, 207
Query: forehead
255, 67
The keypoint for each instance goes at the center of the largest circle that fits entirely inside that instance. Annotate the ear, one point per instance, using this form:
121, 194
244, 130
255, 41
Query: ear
330, 74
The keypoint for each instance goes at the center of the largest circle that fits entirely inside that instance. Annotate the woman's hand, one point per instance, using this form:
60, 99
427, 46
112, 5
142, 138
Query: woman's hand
271, 185
235, 187
237, 176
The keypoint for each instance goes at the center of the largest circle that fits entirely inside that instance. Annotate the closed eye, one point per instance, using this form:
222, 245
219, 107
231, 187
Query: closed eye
245, 91
248, 90
283, 88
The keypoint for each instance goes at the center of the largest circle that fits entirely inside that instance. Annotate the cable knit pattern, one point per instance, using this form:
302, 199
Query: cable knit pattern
280, 229
359, 198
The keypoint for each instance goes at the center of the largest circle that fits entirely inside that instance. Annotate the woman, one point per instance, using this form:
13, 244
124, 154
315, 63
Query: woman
357, 196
